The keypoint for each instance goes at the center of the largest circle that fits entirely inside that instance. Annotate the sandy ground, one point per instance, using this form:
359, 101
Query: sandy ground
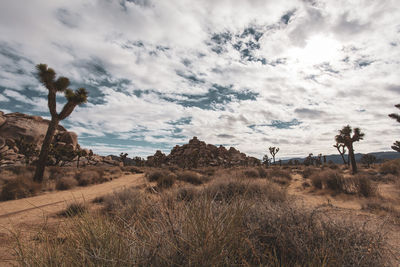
27, 215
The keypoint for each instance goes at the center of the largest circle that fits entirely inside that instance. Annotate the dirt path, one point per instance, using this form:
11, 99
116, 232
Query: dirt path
29, 214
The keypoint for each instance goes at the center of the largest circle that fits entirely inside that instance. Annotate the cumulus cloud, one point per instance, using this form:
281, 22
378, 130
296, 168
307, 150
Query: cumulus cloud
250, 74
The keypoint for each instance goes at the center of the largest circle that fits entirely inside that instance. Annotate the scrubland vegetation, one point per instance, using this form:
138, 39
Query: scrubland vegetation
17, 181
221, 217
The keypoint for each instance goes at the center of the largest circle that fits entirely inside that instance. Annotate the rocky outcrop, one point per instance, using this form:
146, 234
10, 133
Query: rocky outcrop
199, 154
15, 127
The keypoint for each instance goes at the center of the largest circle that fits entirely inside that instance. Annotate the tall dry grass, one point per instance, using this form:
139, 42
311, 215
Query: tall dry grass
224, 223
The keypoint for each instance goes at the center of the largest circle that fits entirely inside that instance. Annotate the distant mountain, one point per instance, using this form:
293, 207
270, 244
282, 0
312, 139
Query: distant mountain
380, 156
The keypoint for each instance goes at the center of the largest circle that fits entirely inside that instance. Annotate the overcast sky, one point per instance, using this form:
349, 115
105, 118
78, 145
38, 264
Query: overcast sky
249, 74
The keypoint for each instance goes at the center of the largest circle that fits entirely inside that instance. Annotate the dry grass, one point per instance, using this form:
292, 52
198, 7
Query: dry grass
335, 181
191, 177
390, 167
74, 209
229, 223
19, 187
66, 183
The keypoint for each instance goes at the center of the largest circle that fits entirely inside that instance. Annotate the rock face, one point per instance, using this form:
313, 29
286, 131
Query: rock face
32, 129
199, 154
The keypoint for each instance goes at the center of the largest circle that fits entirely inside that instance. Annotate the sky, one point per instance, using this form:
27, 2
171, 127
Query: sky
249, 74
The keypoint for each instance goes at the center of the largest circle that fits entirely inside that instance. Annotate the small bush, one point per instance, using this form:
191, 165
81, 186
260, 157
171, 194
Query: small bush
186, 193
66, 183
74, 209
262, 172
275, 172
316, 180
329, 179
227, 190
364, 186
333, 180
390, 167
307, 172
154, 176
132, 169
19, 187
251, 173
85, 178
166, 181
190, 177
333, 166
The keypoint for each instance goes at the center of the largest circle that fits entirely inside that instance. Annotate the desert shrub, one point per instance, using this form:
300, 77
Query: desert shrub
126, 201
154, 176
205, 232
74, 209
262, 172
390, 167
112, 170
334, 180
251, 173
333, 166
329, 179
191, 177
316, 180
228, 190
21, 170
166, 181
186, 193
66, 183
275, 172
19, 187
88, 177
209, 171
305, 238
364, 185
307, 172
132, 169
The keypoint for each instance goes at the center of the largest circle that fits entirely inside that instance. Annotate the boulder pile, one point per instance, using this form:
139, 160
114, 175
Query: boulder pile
199, 154
18, 127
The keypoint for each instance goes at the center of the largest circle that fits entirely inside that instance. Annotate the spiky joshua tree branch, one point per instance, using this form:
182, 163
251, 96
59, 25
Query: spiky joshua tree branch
47, 76
396, 144
273, 151
347, 136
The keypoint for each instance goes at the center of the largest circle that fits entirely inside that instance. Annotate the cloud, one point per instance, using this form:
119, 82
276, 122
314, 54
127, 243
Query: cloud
250, 74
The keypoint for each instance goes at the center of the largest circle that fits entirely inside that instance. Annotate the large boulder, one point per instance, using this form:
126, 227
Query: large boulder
31, 128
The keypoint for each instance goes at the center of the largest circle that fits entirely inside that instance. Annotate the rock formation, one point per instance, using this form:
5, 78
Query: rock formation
32, 130
199, 154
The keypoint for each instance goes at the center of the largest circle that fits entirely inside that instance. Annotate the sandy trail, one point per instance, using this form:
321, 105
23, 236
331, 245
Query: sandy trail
29, 214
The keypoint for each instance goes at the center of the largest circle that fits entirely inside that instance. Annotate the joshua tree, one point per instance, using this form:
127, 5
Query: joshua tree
80, 153
396, 144
273, 150
368, 159
345, 137
266, 160
341, 148
123, 157
29, 150
47, 77
309, 160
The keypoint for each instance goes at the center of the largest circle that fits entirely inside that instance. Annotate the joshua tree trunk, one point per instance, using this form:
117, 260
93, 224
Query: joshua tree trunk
353, 160
344, 161
44, 152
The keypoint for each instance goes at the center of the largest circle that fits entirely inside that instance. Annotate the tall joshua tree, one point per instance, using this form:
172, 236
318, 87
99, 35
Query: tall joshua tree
396, 144
273, 150
47, 77
346, 138
341, 148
